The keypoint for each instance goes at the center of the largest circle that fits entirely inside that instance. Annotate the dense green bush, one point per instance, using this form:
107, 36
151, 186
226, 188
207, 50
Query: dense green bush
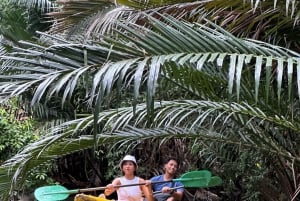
16, 131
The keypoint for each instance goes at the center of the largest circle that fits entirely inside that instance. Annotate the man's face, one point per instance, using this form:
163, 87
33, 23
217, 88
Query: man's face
171, 167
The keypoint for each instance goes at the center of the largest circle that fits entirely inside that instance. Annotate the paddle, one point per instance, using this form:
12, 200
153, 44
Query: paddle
58, 192
214, 181
174, 188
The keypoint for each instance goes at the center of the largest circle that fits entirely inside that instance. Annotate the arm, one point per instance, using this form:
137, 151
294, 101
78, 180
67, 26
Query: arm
146, 189
177, 195
110, 188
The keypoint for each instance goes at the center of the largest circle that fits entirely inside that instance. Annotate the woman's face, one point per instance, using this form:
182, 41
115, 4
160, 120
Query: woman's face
128, 167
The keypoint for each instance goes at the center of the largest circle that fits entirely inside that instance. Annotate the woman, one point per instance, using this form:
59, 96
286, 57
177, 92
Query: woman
136, 188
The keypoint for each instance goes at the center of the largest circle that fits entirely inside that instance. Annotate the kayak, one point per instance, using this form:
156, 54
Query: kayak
83, 197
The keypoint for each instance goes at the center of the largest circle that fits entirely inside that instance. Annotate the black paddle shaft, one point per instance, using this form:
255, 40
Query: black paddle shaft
118, 186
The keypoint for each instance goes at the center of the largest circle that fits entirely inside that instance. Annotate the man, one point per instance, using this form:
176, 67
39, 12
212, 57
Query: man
168, 191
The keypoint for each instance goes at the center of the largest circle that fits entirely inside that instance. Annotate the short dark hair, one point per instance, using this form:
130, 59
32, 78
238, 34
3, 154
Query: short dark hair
170, 159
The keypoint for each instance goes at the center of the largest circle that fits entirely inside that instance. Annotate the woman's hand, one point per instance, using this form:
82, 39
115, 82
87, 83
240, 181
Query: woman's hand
110, 188
147, 182
147, 189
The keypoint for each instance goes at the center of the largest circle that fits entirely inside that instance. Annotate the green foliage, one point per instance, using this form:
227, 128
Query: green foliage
114, 156
20, 23
39, 177
190, 79
15, 133
245, 172
14, 22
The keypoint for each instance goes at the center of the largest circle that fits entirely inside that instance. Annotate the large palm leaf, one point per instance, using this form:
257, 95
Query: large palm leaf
169, 51
43, 4
178, 43
205, 129
274, 21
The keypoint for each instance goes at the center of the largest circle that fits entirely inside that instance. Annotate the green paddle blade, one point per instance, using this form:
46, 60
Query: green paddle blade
214, 181
51, 193
195, 179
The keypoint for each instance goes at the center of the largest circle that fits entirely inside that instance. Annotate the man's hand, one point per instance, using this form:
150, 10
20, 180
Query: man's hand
166, 189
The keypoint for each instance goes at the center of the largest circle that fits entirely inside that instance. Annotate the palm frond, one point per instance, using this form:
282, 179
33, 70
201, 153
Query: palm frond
171, 41
193, 115
2, 48
43, 66
235, 90
106, 20
266, 23
241, 18
42, 4
176, 118
78, 14
202, 47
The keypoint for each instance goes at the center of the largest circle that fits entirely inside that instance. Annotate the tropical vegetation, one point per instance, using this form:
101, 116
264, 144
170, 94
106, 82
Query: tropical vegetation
213, 82
17, 130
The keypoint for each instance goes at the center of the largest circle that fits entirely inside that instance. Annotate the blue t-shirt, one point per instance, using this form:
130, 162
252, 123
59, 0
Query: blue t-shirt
159, 186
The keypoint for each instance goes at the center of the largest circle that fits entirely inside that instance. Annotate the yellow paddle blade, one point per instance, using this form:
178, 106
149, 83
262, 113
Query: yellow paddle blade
83, 197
